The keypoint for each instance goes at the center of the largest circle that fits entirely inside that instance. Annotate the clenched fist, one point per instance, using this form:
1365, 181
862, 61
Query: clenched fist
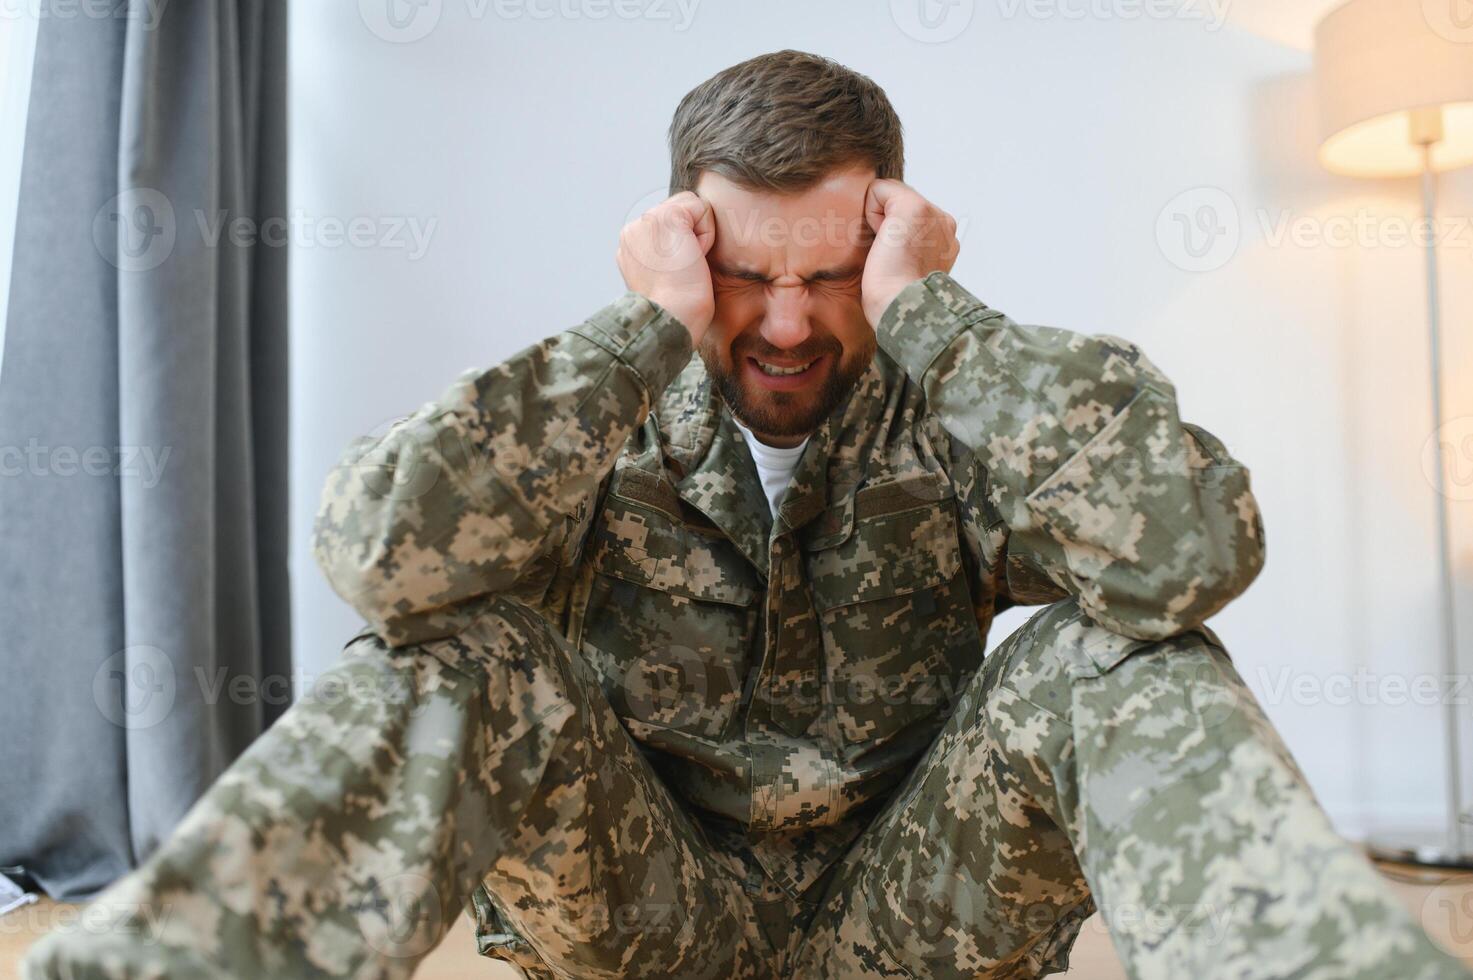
662, 256
913, 238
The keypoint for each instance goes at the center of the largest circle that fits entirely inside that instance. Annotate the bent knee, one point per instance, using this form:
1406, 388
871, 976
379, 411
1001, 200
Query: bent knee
1060, 645
506, 659
494, 630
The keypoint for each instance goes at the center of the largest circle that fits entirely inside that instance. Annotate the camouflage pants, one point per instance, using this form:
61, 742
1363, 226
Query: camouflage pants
1079, 768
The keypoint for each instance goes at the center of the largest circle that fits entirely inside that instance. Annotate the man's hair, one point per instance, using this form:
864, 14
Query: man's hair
780, 122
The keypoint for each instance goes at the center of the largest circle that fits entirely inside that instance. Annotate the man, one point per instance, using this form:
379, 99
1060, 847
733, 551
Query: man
674, 668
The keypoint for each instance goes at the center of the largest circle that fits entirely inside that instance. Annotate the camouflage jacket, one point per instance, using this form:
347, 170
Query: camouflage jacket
785, 673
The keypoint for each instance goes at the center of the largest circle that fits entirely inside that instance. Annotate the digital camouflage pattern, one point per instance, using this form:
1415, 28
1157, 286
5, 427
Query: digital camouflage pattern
1085, 770
643, 728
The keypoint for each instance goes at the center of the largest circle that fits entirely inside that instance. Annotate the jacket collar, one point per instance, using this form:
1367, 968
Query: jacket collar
716, 475
713, 471
833, 464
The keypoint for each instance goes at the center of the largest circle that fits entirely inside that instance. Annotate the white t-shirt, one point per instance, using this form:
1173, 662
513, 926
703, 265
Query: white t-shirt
774, 466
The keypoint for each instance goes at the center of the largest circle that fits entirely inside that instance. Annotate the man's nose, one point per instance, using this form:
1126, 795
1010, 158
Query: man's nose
786, 324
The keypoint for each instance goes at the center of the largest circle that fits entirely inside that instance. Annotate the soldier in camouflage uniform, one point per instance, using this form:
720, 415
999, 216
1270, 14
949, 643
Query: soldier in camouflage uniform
644, 727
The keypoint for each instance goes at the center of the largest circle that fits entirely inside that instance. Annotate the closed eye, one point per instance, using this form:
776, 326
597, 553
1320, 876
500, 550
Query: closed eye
740, 276
841, 277
836, 277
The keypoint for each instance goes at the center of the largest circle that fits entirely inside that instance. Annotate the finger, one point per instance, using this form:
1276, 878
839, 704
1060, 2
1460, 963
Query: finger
694, 214
688, 206
705, 225
879, 194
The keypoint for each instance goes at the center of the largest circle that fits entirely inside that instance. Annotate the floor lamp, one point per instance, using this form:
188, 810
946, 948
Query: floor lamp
1395, 86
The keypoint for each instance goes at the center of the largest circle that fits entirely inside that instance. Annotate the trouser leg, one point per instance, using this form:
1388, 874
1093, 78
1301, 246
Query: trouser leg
345, 840
1082, 768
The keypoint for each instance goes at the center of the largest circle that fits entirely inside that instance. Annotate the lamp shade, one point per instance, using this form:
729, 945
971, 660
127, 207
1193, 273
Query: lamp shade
1384, 69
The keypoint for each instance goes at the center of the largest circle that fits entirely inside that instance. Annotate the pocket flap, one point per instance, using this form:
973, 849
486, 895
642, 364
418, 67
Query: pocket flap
640, 541
900, 537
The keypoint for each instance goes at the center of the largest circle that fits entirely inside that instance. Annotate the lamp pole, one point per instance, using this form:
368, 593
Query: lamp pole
1426, 132
1393, 78
1456, 845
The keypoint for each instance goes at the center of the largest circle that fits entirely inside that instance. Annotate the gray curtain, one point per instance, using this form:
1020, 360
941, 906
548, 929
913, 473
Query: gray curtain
144, 618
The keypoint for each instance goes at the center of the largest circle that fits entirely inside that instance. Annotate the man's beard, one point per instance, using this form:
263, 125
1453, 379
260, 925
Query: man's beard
786, 413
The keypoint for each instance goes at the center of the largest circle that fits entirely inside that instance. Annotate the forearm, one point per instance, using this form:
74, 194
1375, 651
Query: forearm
1104, 491
471, 493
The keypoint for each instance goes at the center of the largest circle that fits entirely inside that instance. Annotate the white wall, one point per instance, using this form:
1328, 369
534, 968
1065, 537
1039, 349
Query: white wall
1063, 143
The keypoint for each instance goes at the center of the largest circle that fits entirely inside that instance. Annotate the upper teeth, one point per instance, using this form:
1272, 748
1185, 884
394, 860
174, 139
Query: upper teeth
774, 369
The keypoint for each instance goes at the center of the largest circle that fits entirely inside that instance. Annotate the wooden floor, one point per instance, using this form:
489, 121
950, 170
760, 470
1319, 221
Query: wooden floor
1445, 911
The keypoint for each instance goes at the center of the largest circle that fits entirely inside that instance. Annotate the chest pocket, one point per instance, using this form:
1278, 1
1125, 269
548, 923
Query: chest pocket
672, 613
899, 633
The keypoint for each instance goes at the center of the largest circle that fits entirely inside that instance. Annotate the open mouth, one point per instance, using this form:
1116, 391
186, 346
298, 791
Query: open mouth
781, 372
779, 376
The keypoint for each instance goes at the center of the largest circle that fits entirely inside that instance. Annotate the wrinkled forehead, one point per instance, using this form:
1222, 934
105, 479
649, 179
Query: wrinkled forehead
816, 230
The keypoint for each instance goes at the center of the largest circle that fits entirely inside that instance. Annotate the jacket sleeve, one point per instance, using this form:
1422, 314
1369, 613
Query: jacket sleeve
1073, 445
490, 488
